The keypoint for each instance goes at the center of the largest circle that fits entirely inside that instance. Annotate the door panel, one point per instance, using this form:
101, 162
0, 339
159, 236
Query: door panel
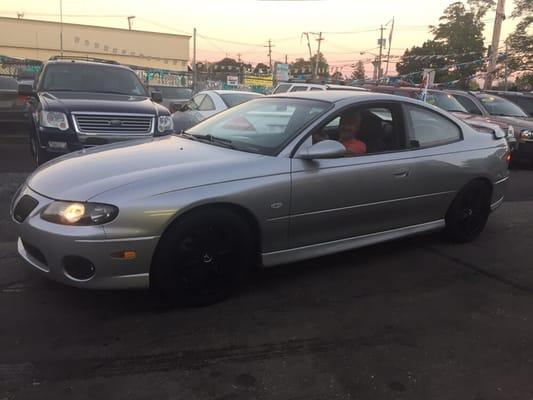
339, 198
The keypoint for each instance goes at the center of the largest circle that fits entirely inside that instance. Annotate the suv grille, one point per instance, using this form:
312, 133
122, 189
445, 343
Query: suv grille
24, 207
105, 123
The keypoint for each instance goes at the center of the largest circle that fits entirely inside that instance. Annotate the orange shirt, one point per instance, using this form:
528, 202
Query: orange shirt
355, 146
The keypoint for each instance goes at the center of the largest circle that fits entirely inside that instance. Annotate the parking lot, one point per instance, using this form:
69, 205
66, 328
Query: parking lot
412, 319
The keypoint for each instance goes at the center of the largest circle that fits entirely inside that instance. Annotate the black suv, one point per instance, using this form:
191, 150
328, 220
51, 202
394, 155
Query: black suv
79, 104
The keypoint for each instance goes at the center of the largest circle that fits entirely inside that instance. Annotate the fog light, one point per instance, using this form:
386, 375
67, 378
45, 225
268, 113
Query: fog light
57, 145
78, 268
125, 255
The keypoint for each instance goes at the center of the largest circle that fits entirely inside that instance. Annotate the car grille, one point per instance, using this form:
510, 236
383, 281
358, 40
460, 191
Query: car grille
24, 207
102, 123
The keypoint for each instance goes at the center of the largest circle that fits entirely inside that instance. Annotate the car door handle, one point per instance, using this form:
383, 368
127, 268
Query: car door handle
402, 173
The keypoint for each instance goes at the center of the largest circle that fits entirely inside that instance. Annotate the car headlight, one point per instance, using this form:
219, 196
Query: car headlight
526, 134
165, 123
510, 131
54, 119
73, 213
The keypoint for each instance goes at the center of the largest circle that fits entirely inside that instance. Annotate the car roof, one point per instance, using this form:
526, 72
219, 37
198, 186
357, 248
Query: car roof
334, 96
509, 93
231, 92
84, 62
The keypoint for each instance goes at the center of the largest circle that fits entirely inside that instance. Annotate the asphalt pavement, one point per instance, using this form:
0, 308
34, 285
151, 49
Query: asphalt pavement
417, 318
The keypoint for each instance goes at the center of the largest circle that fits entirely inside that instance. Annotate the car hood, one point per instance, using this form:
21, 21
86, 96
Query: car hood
517, 122
85, 174
98, 102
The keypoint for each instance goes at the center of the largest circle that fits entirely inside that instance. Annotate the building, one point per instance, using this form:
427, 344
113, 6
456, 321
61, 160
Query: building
40, 40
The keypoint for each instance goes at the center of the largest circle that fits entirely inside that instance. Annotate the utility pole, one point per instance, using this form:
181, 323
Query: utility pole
308, 44
61, 26
380, 51
319, 40
270, 45
390, 43
286, 62
194, 77
130, 24
495, 41
505, 67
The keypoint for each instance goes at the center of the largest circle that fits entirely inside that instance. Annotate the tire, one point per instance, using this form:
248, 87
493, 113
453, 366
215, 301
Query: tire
203, 257
468, 214
39, 155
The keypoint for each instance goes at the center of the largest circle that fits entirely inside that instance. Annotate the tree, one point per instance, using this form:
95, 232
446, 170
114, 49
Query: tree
261, 68
300, 67
337, 76
323, 67
520, 42
359, 71
457, 42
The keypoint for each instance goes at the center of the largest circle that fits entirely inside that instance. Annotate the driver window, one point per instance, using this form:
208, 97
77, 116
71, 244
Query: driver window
365, 130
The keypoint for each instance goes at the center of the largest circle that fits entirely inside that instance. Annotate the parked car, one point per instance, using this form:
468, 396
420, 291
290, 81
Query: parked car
206, 104
173, 96
522, 99
13, 107
496, 109
303, 87
189, 215
447, 102
79, 104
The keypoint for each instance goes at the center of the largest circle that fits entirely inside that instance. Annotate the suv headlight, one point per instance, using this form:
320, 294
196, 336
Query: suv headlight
510, 131
72, 213
54, 119
526, 134
165, 123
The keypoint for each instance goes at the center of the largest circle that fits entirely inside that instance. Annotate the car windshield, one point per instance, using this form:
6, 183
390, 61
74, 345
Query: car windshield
233, 99
498, 106
445, 101
261, 126
74, 77
169, 92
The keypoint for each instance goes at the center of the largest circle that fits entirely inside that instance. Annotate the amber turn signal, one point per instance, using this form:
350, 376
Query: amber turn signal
125, 255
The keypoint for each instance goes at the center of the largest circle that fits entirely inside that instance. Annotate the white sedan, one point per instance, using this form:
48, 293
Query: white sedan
208, 103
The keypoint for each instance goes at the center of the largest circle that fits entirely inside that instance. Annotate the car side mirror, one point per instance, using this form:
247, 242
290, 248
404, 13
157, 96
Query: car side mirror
27, 90
157, 97
323, 149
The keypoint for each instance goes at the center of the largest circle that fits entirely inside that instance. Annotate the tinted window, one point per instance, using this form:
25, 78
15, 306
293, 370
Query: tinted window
263, 125
92, 78
525, 103
431, 129
498, 106
207, 104
315, 88
299, 89
175, 92
468, 104
282, 89
9, 83
233, 99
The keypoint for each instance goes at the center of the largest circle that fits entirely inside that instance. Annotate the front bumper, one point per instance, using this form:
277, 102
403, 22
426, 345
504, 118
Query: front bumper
45, 246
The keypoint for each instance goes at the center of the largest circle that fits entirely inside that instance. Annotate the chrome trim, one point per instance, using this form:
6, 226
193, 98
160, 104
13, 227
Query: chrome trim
501, 180
496, 204
321, 249
151, 131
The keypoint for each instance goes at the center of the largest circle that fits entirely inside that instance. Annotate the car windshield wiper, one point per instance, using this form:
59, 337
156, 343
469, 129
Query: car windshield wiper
217, 140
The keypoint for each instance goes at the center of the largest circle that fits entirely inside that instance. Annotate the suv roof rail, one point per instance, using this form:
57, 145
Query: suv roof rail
81, 58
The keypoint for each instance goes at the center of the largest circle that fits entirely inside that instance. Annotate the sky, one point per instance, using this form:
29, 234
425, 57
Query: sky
242, 28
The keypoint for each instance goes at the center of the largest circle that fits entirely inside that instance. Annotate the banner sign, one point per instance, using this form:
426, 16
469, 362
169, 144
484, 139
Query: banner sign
282, 72
258, 80
232, 80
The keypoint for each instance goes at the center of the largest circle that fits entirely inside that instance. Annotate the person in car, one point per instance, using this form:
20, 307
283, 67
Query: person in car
349, 128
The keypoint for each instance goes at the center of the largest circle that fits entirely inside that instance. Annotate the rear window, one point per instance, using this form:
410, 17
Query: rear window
281, 89
8, 83
233, 99
175, 92
299, 89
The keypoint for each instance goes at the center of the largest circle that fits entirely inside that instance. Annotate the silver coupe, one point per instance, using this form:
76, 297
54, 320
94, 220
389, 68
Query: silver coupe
275, 180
